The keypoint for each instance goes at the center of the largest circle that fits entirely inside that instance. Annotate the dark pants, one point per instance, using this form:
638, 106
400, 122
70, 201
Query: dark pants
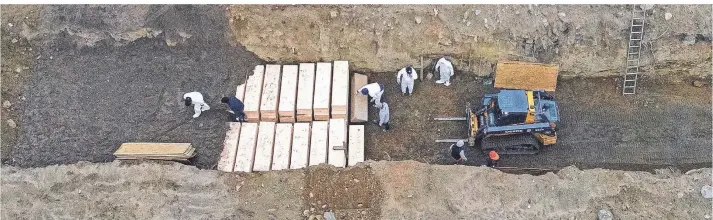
386, 126
492, 163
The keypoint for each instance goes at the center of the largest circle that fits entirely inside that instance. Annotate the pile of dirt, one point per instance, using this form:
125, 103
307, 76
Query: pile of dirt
386, 190
587, 40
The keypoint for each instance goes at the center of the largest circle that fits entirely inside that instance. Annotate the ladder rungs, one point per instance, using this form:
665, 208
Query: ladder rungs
636, 32
633, 53
634, 46
637, 25
635, 39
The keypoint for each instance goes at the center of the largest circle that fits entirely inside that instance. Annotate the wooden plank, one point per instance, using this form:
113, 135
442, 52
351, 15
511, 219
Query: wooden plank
322, 91
270, 93
240, 92
300, 146
288, 93
230, 148
153, 149
246, 148
337, 139
318, 145
340, 89
356, 144
359, 103
264, 147
283, 144
305, 91
253, 94
526, 76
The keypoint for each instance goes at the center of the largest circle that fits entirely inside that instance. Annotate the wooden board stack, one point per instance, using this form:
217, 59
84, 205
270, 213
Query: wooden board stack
356, 144
359, 103
300, 146
322, 91
270, 94
305, 92
318, 145
288, 94
253, 94
264, 147
340, 89
337, 142
155, 151
230, 148
283, 144
246, 148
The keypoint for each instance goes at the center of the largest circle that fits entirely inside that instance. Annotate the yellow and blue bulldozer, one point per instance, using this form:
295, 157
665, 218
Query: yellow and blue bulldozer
521, 117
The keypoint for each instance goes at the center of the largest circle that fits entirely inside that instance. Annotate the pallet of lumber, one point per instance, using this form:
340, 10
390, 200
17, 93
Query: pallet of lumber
359, 103
322, 91
230, 148
337, 155
288, 94
526, 76
305, 92
340, 89
318, 143
155, 151
246, 148
270, 93
264, 147
283, 146
356, 144
299, 157
253, 94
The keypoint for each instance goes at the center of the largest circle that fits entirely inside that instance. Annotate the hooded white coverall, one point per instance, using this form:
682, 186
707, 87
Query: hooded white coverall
445, 68
375, 90
197, 101
405, 80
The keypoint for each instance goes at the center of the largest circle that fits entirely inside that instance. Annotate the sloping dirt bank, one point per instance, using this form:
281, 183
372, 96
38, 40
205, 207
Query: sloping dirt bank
586, 40
386, 190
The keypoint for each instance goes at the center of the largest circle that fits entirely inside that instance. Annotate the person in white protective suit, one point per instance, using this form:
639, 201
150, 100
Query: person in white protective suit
373, 90
406, 78
196, 99
445, 68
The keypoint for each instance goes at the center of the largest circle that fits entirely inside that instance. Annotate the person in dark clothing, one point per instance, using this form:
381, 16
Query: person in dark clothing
236, 108
493, 158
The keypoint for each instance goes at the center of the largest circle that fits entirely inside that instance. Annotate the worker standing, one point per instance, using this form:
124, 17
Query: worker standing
373, 90
457, 151
236, 108
406, 77
384, 116
196, 99
445, 68
493, 158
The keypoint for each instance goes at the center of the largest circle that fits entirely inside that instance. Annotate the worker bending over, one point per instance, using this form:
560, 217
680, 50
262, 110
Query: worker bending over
406, 77
457, 151
445, 68
195, 99
236, 108
373, 90
493, 158
384, 116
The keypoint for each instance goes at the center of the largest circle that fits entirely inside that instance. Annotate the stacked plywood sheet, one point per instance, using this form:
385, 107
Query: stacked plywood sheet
356, 144
253, 94
288, 93
359, 103
318, 144
230, 148
270, 93
337, 142
246, 147
264, 147
305, 92
526, 76
155, 151
340, 89
322, 91
283, 145
300, 146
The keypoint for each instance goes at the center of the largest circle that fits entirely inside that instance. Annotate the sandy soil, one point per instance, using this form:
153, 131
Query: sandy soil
385, 190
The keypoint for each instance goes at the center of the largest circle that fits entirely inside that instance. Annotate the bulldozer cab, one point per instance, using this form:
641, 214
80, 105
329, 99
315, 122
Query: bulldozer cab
510, 107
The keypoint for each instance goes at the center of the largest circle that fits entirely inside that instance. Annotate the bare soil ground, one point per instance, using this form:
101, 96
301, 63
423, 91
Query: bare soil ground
385, 190
667, 123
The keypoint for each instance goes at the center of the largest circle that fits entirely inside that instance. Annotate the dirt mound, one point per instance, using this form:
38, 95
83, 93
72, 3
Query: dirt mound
386, 190
587, 40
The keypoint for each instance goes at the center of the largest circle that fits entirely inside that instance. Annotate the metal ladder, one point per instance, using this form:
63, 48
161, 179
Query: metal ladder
636, 34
